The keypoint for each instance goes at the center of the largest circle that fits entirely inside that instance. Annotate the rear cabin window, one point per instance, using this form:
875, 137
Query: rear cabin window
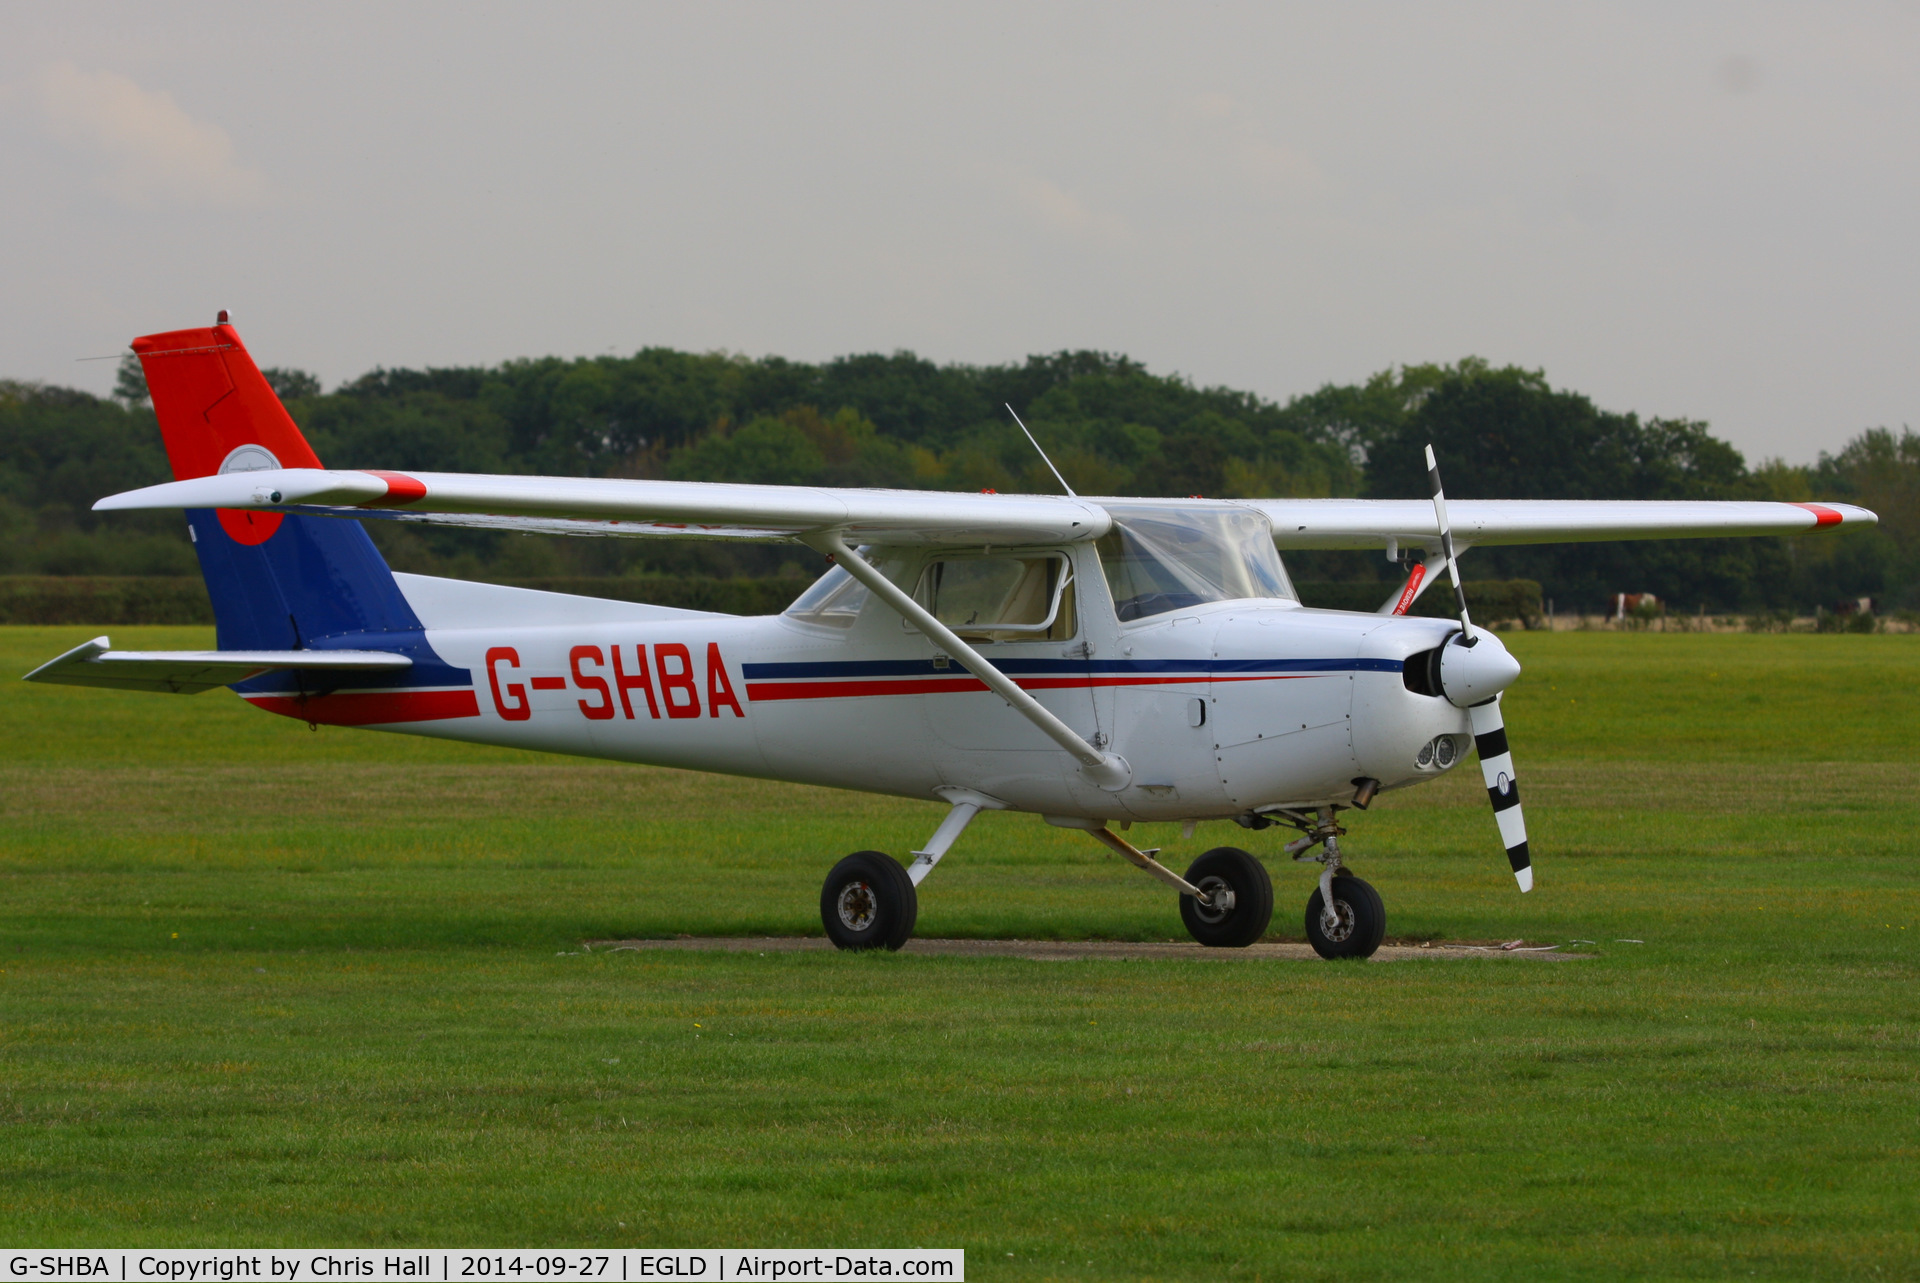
1159, 559
1001, 598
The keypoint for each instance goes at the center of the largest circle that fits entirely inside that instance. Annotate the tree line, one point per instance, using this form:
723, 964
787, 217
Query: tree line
1111, 425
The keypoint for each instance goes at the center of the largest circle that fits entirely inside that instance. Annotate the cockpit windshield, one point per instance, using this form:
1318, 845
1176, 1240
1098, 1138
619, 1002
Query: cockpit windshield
1158, 559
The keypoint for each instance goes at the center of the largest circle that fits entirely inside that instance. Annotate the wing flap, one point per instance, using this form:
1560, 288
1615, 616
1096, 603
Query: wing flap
188, 672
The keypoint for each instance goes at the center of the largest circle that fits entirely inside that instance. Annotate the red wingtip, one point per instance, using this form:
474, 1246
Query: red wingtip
1822, 516
401, 488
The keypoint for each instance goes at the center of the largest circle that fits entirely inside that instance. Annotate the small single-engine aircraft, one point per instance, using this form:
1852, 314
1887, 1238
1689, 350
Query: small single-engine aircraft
1093, 661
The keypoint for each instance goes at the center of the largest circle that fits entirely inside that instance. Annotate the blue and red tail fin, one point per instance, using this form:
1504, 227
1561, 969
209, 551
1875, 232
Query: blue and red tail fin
212, 401
277, 581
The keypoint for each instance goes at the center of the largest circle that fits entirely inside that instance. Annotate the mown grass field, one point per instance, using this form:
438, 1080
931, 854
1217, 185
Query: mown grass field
265, 985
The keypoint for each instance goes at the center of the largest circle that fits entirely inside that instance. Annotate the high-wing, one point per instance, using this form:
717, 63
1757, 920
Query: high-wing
596, 506
587, 505
1369, 523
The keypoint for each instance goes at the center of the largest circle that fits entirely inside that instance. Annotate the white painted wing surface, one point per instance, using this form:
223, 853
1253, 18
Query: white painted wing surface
588, 505
188, 672
1369, 523
602, 506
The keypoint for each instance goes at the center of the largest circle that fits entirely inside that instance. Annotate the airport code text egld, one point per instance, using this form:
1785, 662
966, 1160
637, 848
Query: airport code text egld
245, 1265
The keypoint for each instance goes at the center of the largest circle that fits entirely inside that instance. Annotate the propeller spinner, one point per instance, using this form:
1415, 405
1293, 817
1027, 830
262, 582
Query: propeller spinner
1474, 669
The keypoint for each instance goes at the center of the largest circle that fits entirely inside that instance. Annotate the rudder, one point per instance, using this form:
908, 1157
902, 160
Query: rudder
277, 581
218, 414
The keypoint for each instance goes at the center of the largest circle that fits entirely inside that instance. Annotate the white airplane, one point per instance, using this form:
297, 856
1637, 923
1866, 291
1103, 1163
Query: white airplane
1092, 661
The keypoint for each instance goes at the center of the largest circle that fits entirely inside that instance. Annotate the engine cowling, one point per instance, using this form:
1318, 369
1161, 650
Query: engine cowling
1463, 675
1474, 674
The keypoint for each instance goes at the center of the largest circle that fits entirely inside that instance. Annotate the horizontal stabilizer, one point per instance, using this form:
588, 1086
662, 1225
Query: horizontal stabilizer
188, 672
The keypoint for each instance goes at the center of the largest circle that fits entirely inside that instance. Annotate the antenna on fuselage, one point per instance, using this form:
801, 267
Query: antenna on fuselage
1043, 456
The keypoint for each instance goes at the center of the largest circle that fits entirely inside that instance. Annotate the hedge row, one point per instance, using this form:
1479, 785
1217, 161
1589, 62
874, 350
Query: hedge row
104, 599
128, 599
1487, 599
728, 596
167, 599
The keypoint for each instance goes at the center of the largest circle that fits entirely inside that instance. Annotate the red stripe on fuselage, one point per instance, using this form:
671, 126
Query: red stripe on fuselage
371, 708
1822, 516
761, 691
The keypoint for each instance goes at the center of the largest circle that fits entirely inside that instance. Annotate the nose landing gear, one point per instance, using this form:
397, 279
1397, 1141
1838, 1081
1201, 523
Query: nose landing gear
1345, 918
1354, 926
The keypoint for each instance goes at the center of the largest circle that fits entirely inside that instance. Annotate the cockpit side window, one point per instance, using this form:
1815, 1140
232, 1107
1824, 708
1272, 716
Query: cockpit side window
994, 598
1159, 559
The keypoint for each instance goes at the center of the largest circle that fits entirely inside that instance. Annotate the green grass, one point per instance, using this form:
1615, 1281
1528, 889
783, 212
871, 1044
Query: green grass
266, 985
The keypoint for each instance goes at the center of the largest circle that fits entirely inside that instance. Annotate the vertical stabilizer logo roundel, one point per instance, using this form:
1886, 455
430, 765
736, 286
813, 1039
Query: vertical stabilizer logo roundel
248, 458
249, 527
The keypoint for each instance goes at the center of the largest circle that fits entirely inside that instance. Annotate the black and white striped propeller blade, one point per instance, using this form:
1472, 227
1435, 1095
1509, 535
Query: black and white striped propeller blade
1489, 727
1496, 768
1446, 547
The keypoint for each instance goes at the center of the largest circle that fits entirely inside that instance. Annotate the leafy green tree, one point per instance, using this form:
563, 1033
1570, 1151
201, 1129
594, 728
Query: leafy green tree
130, 383
1505, 433
766, 450
1112, 426
1879, 470
291, 385
59, 451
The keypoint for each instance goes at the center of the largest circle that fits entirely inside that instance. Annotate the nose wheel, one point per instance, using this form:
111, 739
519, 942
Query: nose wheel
868, 902
1345, 918
1355, 925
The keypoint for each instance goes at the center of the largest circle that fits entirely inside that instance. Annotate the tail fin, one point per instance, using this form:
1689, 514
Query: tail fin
212, 401
277, 582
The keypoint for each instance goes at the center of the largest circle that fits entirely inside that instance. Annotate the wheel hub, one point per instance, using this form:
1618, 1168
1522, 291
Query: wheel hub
1219, 900
1337, 925
857, 905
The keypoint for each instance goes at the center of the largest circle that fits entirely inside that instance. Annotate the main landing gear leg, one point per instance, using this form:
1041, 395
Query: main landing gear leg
1345, 918
1226, 899
870, 902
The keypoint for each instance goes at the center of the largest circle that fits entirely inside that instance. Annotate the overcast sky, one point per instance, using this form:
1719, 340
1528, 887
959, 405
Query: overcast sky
1701, 210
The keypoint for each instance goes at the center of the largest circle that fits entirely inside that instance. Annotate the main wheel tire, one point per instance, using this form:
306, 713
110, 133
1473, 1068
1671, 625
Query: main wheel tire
1239, 925
1362, 925
869, 902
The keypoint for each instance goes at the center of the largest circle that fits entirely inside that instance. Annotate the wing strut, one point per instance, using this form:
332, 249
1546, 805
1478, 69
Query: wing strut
1108, 770
1419, 578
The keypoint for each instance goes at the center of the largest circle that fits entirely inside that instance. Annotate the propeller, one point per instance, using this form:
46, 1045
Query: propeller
1474, 669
